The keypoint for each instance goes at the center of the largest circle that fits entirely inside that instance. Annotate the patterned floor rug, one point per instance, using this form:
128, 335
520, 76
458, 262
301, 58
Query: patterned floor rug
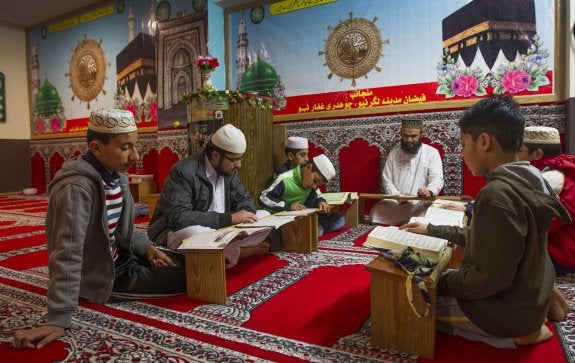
282, 307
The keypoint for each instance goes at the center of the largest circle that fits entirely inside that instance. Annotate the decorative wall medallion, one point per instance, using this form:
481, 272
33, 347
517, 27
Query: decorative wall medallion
87, 70
120, 6
353, 48
257, 14
163, 10
199, 5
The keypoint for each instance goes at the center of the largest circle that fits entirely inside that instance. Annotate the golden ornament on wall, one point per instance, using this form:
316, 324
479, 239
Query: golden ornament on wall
87, 70
353, 48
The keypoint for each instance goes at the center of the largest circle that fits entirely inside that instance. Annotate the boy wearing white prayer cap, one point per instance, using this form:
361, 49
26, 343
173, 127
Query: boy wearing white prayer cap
542, 147
297, 189
297, 153
91, 260
204, 192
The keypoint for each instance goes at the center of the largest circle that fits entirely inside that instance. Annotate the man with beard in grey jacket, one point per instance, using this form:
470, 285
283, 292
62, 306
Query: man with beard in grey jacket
203, 192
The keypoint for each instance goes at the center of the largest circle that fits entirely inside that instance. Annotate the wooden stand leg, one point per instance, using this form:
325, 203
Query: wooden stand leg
352, 214
394, 324
206, 275
151, 200
300, 235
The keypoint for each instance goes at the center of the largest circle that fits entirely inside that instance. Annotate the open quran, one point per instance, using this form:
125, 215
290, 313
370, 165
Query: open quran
218, 239
441, 217
339, 197
392, 238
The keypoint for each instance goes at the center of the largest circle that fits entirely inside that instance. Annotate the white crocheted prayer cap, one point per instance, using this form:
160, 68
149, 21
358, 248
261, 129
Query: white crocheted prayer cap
541, 135
231, 139
324, 166
112, 121
297, 143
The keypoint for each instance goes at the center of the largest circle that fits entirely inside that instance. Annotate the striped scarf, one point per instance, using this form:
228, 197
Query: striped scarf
114, 200
114, 203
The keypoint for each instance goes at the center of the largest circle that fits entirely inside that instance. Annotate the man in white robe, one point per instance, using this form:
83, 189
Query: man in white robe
411, 169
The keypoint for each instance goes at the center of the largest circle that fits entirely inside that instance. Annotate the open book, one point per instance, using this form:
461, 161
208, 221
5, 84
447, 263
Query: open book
218, 239
441, 202
392, 238
278, 219
273, 221
441, 217
339, 197
296, 213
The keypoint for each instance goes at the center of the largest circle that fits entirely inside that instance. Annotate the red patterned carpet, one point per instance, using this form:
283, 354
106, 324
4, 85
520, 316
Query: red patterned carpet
282, 307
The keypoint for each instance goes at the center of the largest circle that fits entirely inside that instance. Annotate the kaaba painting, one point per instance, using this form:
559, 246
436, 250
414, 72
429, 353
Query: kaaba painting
490, 26
492, 46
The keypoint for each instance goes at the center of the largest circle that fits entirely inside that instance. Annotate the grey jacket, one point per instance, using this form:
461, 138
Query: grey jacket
186, 197
80, 262
506, 276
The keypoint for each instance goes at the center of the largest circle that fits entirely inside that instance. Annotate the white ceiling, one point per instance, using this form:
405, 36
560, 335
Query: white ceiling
27, 13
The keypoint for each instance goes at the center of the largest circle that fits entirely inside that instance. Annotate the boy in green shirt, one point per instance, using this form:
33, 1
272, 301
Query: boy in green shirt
297, 189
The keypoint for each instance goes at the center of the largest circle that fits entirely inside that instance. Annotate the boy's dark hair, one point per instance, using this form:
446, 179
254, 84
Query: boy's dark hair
548, 149
291, 150
499, 116
92, 135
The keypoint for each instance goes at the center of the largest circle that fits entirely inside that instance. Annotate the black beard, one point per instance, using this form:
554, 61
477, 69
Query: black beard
219, 169
409, 148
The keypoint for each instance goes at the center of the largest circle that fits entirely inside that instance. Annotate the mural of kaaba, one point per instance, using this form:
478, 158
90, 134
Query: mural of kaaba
136, 67
490, 26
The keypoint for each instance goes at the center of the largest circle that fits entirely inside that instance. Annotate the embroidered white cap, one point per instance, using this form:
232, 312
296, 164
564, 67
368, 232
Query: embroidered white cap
231, 139
541, 135
324, 166
297, 143
112, 121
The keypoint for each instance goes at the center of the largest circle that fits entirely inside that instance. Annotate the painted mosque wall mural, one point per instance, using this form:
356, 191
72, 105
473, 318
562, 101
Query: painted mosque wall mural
341, 57
108, 57
362, 63
330, 58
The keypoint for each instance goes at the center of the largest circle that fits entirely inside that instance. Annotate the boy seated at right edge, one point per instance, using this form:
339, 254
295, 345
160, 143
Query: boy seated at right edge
500, 293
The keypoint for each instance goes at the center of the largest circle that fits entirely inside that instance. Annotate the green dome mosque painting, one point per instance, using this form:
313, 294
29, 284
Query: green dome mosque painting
260, 77
47, 100
48, 111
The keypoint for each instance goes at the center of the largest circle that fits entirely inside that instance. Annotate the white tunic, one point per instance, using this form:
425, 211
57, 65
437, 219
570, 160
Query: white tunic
404, 174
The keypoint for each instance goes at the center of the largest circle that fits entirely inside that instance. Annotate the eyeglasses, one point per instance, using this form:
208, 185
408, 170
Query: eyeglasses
234, 160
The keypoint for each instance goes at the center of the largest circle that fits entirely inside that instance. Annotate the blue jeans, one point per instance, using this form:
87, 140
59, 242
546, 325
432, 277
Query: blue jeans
329, 223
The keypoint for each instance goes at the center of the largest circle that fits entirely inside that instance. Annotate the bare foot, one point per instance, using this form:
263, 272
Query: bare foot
539, 336
259, 249
558, 306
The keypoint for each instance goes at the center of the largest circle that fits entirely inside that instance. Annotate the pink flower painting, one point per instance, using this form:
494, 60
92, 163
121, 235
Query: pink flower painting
132, 108
515, 80
55, 124
465, 85
154, 111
